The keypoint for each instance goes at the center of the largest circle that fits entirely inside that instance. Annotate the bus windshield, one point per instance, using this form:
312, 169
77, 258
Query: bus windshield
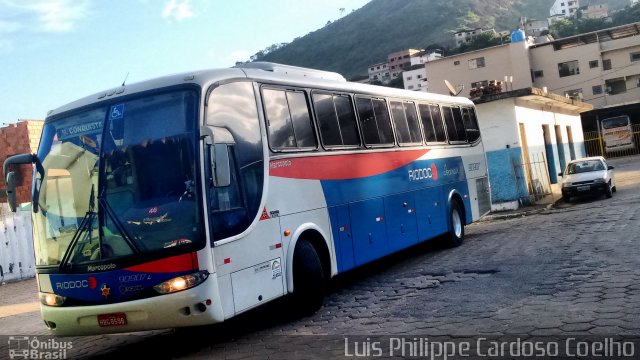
119, 180
615, 122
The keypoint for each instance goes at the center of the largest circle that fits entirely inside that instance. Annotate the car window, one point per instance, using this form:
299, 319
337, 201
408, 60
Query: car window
585, 166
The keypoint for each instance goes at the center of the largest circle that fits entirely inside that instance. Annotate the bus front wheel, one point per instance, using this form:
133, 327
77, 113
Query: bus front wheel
308, 279
455, 237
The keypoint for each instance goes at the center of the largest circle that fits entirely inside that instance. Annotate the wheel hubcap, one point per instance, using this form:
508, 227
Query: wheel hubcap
457, 223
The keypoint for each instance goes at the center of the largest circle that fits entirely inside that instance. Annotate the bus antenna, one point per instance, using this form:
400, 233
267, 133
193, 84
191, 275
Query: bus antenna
125, 79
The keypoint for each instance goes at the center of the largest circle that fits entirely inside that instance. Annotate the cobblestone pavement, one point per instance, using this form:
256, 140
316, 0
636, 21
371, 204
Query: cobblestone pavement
572, 269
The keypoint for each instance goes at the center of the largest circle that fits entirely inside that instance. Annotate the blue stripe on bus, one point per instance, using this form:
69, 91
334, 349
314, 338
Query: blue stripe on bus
375, 216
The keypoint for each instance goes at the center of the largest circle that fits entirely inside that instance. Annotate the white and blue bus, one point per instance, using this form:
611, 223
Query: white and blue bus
189, 199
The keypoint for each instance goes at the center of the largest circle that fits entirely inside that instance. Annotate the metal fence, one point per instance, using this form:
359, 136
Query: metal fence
531, 178
615, 144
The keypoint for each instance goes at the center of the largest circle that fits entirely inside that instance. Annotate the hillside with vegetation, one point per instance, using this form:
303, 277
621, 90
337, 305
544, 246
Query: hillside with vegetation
367, 35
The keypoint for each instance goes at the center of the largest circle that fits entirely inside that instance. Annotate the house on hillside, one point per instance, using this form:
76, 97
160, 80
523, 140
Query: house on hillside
464, 36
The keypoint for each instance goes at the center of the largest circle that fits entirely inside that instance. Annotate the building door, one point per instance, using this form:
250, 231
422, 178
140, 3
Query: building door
548, 150
560, 147
572, 151
526, 160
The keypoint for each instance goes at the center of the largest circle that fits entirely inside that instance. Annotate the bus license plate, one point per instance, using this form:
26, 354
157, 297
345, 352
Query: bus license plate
117, 319
584, 188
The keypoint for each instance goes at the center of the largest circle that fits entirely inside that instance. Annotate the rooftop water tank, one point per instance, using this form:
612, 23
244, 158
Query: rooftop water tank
517, 36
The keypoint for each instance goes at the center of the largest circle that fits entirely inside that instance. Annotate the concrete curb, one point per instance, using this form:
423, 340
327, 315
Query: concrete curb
517, 214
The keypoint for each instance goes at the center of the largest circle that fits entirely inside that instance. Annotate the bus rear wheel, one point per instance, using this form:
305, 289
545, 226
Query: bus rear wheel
308, 279
455, 237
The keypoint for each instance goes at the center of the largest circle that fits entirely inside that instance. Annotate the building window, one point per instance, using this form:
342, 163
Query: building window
597, 90
606, 64
616, 86
476, 63
479, 84
410, 87
538, 74
419, 77
593, 64
575, 93
456, 63
569, 68
408, 77
635, 56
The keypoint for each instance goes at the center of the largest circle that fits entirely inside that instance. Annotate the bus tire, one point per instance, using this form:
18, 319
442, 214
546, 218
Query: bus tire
455, 237
308, 279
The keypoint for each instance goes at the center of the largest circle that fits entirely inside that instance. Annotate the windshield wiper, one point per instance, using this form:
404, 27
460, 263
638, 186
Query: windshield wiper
116, 221
86, 225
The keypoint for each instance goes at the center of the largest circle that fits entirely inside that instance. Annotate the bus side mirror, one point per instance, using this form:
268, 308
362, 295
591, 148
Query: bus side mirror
11, 190
560, 174
11, 179
610, 167
221, 165
219, 141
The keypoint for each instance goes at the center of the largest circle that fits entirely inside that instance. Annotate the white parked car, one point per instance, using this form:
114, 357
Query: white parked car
587, 176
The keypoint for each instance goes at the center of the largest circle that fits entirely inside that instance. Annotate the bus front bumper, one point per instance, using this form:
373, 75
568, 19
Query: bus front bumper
180, 309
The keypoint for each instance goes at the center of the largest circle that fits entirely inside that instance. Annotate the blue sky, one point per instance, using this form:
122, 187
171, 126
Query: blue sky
55, 51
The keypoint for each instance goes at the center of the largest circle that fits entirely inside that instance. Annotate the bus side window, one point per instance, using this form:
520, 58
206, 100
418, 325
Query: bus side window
427, 124
438, 125
455, 127
471, 124
336, 120
405, 119
374, 121
289, 121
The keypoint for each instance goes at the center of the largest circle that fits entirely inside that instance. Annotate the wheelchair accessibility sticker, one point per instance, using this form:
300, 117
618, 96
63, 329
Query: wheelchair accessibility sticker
117, 112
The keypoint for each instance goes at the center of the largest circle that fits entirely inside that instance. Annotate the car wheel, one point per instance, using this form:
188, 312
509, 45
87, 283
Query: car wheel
614, 189
566, 198
455, 237
308, 279
609, 191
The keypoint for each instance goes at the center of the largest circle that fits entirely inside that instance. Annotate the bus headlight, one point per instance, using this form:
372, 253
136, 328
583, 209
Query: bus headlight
51, 299
181, 282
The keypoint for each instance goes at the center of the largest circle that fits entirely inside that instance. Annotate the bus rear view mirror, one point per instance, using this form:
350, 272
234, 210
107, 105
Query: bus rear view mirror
11, 190
221, 165
11, 179
219, 141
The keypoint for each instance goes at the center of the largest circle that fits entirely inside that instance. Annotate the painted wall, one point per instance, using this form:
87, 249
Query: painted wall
17, 259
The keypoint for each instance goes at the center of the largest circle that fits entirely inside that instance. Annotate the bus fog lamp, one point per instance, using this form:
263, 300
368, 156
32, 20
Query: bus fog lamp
181, 282
51, 299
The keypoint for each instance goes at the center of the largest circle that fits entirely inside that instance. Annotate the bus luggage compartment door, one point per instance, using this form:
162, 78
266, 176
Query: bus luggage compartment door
402, 229
369, 232
257, 284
